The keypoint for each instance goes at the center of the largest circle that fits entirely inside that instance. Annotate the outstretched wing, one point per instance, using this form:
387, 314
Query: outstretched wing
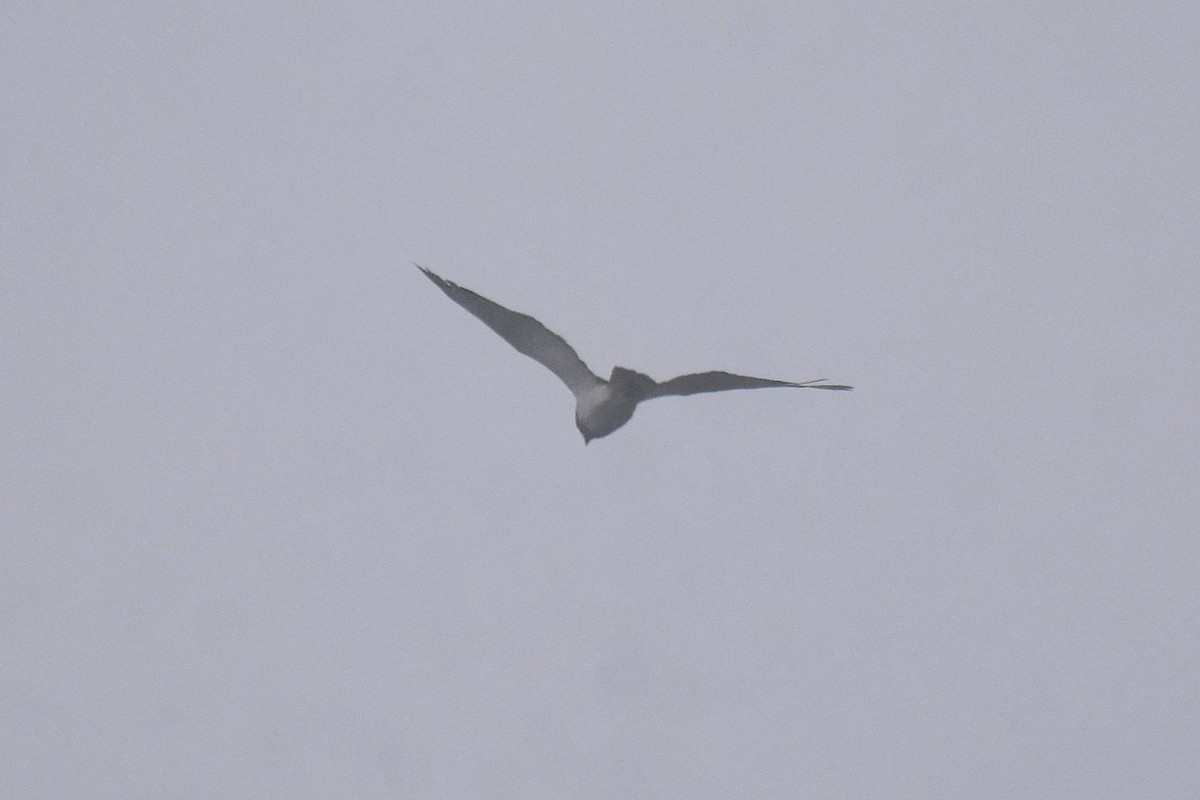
524, 333
718, 381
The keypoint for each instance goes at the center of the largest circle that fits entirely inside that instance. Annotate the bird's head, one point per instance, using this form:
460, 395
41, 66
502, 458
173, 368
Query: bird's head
587, 435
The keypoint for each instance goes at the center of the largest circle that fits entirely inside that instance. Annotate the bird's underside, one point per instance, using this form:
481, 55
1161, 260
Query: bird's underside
601, 406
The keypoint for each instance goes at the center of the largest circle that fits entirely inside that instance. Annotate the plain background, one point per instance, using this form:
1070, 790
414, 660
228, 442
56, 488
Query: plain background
281, 521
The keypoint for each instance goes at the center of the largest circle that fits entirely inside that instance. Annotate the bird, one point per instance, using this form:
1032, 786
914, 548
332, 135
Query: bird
601, 406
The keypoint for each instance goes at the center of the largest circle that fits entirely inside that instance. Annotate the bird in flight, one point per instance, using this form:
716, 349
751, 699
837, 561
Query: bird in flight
601, 406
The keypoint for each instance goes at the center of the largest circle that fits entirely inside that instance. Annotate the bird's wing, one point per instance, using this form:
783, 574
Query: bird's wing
718, 381
524, 333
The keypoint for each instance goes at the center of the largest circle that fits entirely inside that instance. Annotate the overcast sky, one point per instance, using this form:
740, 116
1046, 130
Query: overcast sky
279, 520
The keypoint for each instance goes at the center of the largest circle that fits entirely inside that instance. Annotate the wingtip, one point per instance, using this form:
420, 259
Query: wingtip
833, 387
438, 280
820, 384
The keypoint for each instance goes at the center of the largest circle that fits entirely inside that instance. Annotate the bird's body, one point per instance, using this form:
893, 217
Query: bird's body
601, 406
609, 404
602, 409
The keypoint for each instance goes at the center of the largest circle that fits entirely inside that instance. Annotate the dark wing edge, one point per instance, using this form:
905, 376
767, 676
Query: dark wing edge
524, 333
718, 381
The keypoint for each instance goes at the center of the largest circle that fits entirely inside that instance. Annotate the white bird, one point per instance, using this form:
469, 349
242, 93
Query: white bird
601, 406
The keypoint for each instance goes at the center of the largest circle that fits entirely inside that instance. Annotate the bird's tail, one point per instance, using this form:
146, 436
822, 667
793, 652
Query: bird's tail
631, 383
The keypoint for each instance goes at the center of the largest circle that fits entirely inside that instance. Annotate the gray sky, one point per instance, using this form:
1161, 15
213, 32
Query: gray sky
280, 520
